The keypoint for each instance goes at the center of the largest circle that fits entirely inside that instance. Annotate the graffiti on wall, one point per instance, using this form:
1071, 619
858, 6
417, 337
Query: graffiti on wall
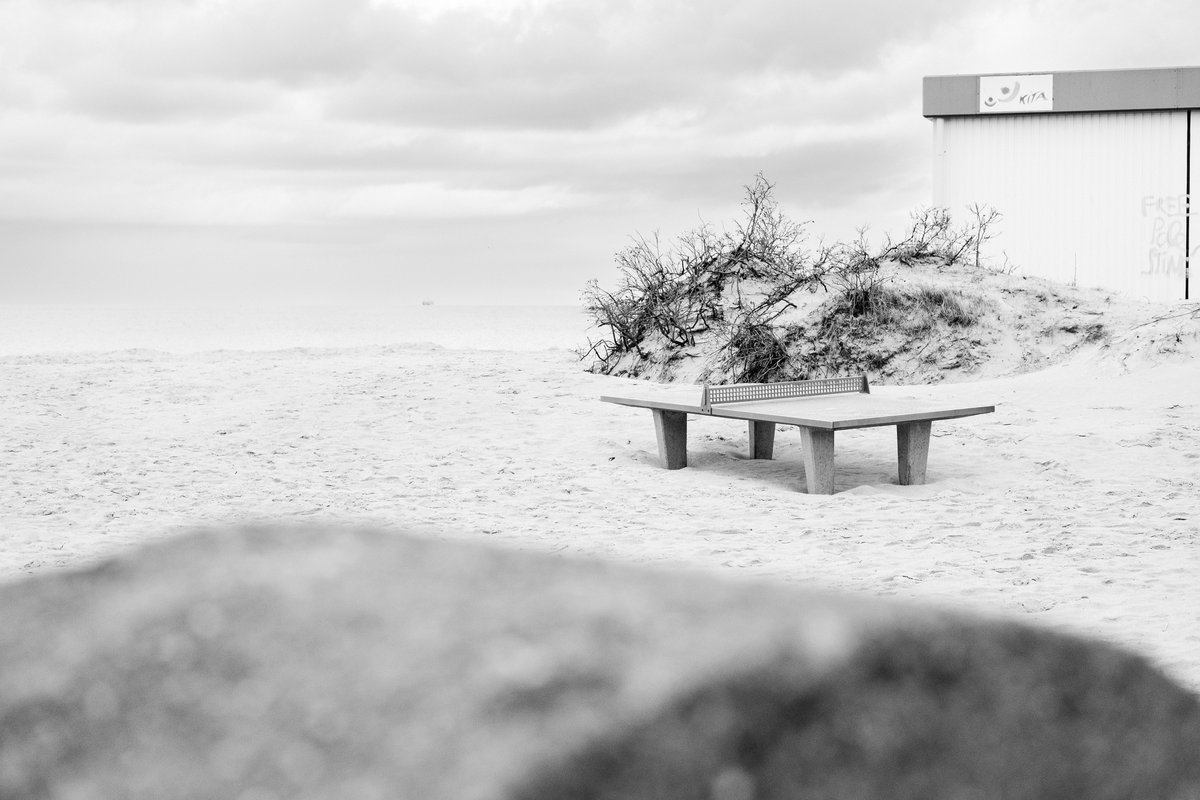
1168, 235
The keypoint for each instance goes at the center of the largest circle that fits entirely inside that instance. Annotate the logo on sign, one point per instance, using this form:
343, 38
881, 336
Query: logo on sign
1016, 94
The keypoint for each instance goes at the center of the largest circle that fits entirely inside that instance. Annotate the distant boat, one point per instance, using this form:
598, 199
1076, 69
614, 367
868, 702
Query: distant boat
426, 302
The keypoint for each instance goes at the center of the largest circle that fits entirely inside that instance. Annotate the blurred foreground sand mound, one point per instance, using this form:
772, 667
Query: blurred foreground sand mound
339, 664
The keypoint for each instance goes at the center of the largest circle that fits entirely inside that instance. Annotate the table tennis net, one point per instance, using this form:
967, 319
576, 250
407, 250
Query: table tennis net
743, 392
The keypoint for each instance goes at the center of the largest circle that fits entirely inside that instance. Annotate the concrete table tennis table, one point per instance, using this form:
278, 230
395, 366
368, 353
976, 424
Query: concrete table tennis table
819, 408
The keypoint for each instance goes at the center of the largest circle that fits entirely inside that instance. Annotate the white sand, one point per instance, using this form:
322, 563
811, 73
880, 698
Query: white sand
1076, 505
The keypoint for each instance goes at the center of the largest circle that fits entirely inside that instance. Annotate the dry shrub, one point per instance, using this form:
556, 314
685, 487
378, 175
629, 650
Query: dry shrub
685, 291
730, 289
755, 352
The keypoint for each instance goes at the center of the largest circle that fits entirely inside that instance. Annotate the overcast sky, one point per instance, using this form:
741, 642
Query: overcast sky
473, 151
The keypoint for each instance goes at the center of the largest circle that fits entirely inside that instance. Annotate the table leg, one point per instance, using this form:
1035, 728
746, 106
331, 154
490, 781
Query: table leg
912, 451
671, 429
818, 459
762, 439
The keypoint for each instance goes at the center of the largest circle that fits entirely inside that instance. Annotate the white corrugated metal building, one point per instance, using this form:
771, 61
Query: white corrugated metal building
1091, 170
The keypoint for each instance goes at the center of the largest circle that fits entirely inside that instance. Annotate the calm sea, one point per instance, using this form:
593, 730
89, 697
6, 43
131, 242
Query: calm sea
47, 329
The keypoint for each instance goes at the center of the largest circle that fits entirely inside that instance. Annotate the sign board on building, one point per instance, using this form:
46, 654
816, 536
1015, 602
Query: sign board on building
1015, 94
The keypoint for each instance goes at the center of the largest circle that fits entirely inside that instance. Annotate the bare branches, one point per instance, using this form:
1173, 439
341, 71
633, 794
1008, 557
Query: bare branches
680, 293
729, 288
985, 218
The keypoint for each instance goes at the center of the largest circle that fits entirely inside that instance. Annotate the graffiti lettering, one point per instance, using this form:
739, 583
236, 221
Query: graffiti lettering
1168, 235
1173, 205
1164, 263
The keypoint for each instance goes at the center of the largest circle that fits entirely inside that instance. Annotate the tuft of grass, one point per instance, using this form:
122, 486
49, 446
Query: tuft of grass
956, 310
914, 310
1092, 332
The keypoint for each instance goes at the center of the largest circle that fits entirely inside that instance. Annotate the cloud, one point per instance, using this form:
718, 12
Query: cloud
332, 115
582, 66
141, 100
420, 201
316, 84
564, 65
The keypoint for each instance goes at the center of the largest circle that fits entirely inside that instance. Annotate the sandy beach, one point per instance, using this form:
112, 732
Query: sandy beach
1074, 506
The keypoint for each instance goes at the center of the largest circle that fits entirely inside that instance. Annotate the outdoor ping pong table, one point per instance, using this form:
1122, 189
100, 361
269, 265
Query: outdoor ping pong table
818, 407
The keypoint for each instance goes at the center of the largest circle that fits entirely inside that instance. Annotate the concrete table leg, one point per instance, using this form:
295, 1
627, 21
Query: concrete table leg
762, 439
671, 430
818, 459
912, 451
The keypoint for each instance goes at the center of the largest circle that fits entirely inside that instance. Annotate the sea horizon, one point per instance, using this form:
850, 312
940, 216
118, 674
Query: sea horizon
28, 329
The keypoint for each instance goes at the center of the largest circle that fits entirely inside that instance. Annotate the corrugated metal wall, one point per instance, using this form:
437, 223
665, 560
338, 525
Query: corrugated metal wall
1096, 199
1193, 291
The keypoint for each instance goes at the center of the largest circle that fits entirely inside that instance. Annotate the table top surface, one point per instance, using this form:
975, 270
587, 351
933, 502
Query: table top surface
830, 411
